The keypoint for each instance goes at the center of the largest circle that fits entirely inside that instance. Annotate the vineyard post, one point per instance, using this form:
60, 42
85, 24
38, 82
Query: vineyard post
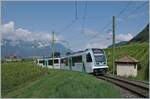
113, 31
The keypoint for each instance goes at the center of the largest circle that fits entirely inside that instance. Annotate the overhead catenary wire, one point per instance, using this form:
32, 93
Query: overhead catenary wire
105, 26
109, 23
84, 18
72, 21
119, 15
124, 9
69, 25
136, 9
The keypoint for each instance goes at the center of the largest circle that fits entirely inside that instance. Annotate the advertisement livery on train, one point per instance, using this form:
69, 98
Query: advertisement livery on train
90, 60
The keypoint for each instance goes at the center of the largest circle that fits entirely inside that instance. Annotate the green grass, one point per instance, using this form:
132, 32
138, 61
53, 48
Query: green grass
139, 51
19, 73
26, 80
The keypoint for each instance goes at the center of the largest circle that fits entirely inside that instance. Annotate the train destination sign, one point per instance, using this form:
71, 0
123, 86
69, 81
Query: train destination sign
96, 51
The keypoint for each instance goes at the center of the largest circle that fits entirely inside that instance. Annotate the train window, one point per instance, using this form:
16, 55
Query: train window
79, 59
88, 57
56, 61
76, 59
100, 58
41, 61
50, 62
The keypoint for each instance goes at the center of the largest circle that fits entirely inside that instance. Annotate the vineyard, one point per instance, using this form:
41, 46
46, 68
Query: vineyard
139, 51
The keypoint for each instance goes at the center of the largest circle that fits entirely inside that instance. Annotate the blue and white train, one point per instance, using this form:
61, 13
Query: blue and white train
91, 60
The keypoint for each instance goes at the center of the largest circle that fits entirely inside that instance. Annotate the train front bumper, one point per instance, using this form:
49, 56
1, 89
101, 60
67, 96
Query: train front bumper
100, 70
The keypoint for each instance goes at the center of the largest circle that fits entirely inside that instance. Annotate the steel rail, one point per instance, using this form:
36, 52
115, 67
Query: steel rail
140, 90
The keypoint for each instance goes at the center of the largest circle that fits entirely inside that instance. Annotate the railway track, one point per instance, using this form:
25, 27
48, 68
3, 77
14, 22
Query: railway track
139, 88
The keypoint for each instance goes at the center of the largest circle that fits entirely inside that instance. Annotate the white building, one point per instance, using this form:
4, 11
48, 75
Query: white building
126, 66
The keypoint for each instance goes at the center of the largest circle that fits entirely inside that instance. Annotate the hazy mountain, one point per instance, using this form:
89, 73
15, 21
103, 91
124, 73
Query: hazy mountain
26, 49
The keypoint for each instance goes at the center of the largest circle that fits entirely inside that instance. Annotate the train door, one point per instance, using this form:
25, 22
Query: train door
66, 62
88, 62
83, 69
63, 63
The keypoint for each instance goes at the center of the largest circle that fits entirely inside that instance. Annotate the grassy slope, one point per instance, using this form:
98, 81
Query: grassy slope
16, 74
139, 51
26, 80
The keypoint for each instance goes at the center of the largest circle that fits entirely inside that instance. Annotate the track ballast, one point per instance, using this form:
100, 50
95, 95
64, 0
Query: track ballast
139, 88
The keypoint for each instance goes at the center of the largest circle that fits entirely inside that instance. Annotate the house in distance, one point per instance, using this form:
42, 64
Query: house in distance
126, 66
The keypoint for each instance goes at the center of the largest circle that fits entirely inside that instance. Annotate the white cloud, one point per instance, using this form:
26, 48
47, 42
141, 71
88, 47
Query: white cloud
99, 41
9, 27
124, 37
110, 33
42, 44
22, 34
106, 40
121, 37
9, 32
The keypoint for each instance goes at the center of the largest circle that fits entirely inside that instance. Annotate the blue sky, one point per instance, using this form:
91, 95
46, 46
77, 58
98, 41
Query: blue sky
26, 19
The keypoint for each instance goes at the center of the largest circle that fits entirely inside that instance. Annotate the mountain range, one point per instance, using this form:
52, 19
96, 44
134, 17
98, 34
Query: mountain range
26, 49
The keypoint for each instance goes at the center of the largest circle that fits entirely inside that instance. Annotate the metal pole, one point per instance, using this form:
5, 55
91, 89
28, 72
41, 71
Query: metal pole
53, 48
34, 51
113, 26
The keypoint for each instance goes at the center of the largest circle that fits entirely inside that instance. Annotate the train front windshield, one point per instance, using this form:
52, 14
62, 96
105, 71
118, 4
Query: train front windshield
99, 55
100, 58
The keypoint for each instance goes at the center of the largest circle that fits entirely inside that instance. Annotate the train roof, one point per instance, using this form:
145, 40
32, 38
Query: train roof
75, 53
81, 52
49, 58
87, 50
